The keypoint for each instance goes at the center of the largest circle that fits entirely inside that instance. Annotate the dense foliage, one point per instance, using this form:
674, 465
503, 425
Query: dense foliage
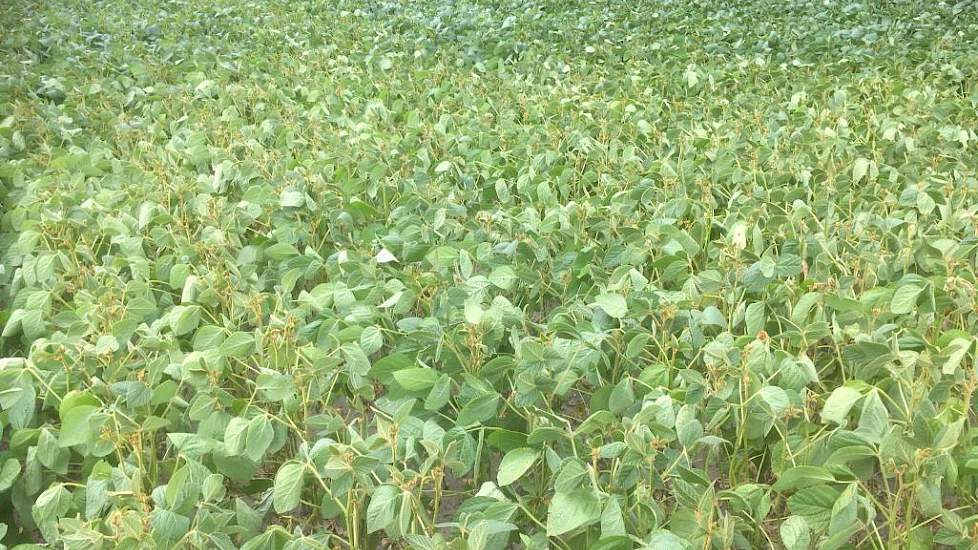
472, 274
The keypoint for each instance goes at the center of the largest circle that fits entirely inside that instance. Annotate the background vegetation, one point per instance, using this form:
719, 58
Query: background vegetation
471, 274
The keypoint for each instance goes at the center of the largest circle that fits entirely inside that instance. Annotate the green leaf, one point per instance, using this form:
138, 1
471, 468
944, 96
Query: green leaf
571, 510
213, 489
9, 473
175, 486
661, 539
802, 476
688, 428
776, 401
416, 379
478, 537
380, 510
954, 353
506, 440
235, 436
275, 386
612, 304
515, 464
571, 475
74, 428
925, 203
169, 525
287, 489
440, 393
814, 503
356, 360
860, 169
50, 506
905, 299
184, 319
478, 410
258, 437
238, 344
838, 405
795, 534
929, 496
637, 344
612, 519
96, 497
53, 456
73, 399
472, 310
874, 420
208, 337
371, 340
503, 277
622, 396
192, 445
280, 251
801, 310
290, 198
788, 265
